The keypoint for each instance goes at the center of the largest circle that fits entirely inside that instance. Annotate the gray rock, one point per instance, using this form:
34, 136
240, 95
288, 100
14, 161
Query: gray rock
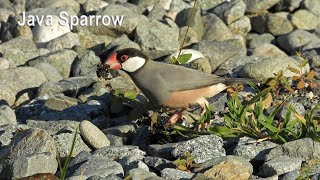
32, 164
18, 43
207, 4
122, 83
278, 25
92, 6
164, 39
157, 12
220, 52
175, 174
90, 40
267, 50
86, 65
8, 132
125, 130
43, 33
289, 5
218, 102
18, 57
127, 26
158, 163
295, 40
177, 6
138, 173
305, 149
215, 28
122, 42
271, 67
131, 162
7, 116
234, 64
99, 91
69, 87
259, 23
162, 151
5, 13
304, 19
62, 60
241, 26
250, 149
257, 6
230, 11
191, 37
60, 102
65, 41
201, 148
184, 17
93, 135
291, 175
313, 6
19, 79
53, 127
261, 39
63, 143
299, 108
99, 166
32, 4
51, 73
117, 152
200, 64
229, 167
4, 64
280, 165
32, 141
116, 140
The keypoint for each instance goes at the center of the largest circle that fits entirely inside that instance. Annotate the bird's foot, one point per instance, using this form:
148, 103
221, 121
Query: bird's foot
175, 117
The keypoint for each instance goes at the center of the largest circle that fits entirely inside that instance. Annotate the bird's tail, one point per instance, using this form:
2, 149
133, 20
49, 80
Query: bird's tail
231, 81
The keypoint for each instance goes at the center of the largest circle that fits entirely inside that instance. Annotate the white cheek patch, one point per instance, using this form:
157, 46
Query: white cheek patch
133, 64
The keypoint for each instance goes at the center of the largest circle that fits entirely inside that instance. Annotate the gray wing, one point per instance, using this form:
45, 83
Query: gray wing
181, 78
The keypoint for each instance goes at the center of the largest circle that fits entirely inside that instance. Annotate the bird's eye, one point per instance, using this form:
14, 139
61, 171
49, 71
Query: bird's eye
124, 58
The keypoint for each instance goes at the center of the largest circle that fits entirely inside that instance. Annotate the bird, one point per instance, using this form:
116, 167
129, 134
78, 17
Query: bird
169, 85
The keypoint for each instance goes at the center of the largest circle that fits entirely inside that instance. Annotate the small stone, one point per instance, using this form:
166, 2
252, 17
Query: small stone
162, 151
51, 73
53, 127
86, 65
261, 39
7, 115
93, 135
278, 25
158, 163
184, 17
96, 5
313, 6
241, 26
18, 43
138, 173
60, 103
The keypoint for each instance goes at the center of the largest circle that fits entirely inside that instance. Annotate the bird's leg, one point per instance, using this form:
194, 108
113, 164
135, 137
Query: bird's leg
176, 116
203, 104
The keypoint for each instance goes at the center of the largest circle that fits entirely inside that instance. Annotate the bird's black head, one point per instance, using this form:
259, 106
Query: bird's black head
128, 59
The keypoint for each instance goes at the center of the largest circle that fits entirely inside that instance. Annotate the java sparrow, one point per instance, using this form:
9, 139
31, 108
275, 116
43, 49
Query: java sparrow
166, 84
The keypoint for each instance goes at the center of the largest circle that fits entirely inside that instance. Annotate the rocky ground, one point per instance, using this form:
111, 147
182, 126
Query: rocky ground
49, 86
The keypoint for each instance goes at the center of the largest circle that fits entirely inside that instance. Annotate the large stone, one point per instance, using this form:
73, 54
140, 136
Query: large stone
215, 28
19, 79
257, 6
304, 19
230, 11
32, 164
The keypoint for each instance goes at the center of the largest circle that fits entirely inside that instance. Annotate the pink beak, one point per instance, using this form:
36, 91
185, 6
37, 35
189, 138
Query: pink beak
112, 62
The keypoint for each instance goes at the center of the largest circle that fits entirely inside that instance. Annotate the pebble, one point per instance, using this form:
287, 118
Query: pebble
93, 135
4, 64
7, 116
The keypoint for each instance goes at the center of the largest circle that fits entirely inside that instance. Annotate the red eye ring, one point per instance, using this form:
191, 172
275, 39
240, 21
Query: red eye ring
124, 57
